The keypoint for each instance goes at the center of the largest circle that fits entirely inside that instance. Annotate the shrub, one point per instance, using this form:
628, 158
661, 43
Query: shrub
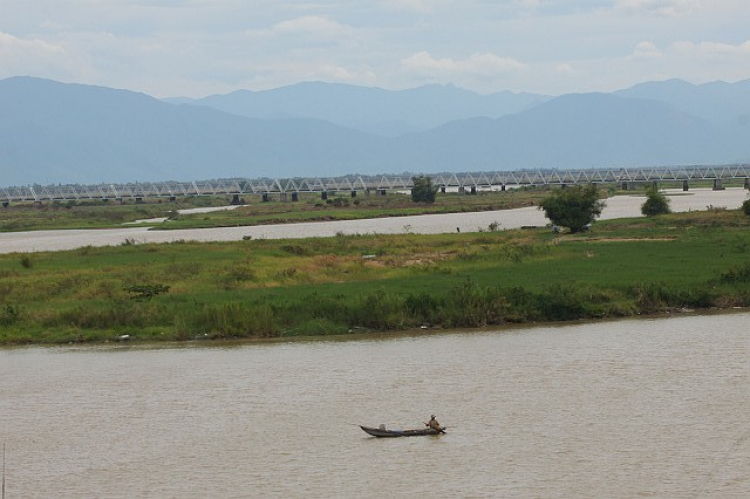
561, 302
380, 310
423, 191
146, 291
235, 320
656, 203
736, 275
473, 306
9, 315
573, 207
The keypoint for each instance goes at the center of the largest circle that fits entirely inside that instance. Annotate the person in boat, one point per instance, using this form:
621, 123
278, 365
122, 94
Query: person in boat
433, 424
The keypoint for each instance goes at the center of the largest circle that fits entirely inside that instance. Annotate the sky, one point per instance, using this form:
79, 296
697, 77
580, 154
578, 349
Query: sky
195, 48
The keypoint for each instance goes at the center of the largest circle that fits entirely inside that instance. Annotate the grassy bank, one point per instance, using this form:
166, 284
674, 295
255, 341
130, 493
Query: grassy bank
277, 288
89, 214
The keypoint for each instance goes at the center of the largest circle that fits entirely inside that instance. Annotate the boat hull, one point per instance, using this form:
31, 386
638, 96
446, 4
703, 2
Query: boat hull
377, 432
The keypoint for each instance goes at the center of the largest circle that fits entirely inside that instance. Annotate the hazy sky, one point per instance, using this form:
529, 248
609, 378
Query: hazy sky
200, 47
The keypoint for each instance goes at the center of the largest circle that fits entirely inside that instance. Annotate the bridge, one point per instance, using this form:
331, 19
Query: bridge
379, 184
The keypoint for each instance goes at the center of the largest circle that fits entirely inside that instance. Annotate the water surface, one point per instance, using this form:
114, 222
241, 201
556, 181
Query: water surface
635, 408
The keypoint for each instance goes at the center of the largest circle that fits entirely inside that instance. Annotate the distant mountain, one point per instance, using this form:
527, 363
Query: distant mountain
382, 112
726, 104
52, 132
580, 131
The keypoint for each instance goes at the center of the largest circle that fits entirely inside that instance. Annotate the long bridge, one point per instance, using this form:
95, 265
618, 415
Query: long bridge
380, 184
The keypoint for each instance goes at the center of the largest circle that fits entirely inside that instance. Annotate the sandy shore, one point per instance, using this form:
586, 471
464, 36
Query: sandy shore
617, 207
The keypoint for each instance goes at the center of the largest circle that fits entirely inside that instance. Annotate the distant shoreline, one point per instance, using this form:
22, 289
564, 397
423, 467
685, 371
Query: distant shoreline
617, 207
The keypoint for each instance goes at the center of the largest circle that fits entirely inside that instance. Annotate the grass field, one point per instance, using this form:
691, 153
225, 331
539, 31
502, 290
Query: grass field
281, 288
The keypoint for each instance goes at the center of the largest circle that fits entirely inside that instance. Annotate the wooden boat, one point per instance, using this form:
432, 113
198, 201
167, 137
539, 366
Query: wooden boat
382, 432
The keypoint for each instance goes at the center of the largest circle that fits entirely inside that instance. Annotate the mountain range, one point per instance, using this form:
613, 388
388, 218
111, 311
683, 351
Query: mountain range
52, 132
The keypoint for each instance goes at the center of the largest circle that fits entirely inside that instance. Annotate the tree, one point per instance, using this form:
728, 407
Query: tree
573, 207
423, 190
746, 207
656, 203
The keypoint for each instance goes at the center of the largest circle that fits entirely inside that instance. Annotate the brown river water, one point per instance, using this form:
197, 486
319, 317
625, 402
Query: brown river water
626, 409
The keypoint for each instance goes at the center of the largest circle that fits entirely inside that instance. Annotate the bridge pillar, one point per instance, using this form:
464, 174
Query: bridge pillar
718, 185
6, 204
381, 192
264, 197
685, 185
354, 193
474, 190
324, 195
502, 188
563, 186
295, 196
235, 200
172, 199
138, 200
442, 189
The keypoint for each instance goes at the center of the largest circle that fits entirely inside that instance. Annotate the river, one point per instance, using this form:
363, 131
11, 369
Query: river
624, 409
617, 207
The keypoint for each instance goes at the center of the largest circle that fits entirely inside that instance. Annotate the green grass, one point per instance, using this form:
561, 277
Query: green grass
278, 288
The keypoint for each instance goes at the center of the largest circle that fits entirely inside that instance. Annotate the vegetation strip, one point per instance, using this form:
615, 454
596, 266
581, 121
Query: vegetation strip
283, 288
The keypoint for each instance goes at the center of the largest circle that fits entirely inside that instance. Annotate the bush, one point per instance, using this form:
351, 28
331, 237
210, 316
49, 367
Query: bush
423, 190
573, 207
235, 320
146, 291
746, 207
656, 203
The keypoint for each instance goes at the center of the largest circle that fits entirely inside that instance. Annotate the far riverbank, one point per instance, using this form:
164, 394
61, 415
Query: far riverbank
617, 207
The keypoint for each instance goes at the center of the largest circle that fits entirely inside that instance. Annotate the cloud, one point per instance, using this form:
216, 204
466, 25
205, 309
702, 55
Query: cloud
564, 68
666, 8
33, 56
312, 25
419, 6
646, 50
19, 47
717, 48
476, 64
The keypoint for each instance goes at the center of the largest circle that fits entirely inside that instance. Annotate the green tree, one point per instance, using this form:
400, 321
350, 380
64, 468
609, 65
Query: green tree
656, 203
573, 207
423, 191
746, 207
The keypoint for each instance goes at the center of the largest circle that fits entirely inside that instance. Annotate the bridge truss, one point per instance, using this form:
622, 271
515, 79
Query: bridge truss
356, 183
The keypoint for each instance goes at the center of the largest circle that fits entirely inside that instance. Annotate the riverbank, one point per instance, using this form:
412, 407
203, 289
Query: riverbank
621, 206
267, 288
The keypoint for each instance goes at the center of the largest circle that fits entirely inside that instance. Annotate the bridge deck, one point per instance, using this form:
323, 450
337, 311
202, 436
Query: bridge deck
240, 186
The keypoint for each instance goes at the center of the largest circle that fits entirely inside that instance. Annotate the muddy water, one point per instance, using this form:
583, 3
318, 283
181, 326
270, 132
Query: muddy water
635, 408
617, 207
